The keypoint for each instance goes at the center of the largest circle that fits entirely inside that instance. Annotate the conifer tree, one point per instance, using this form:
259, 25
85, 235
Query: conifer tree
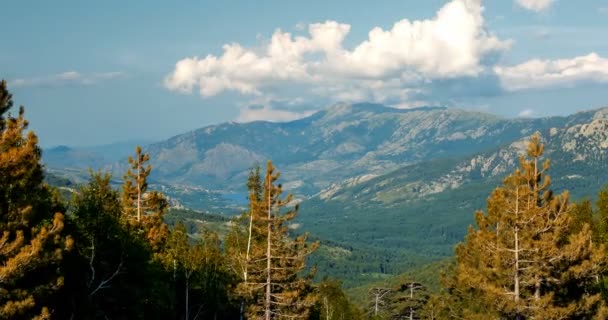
144, 209
273, 259
200, 275
522, 262
246, 240
31, 241
332, 303
408, 301
111, 273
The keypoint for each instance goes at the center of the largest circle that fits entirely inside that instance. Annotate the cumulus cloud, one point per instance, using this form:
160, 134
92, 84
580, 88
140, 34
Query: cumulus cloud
535, 5
538, 73
526, 113
390, 65
266, 113
66, 78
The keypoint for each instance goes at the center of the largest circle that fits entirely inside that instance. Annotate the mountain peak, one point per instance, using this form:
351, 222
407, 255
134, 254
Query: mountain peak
362, 110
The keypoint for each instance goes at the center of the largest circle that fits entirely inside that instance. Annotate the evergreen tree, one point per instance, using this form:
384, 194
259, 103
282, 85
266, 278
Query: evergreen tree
272, 260
144, 209
31, 222
378, 302
111, 273
200, 275
522, 262
245, 241
408, 301
332, 303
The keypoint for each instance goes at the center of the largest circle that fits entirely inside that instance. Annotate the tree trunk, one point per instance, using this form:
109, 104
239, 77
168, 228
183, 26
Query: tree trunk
268, 253
376, 306
187, 297
138, 188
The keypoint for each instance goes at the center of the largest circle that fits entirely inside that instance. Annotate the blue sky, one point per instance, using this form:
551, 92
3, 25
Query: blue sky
115, 70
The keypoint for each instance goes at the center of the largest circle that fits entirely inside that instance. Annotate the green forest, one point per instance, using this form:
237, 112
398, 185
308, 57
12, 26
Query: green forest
102, 252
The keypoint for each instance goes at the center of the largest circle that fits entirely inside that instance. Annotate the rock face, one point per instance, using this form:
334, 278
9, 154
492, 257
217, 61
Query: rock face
333, 145
578, 148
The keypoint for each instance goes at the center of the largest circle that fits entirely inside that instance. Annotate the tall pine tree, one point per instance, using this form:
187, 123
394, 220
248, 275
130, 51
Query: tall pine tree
31, 222
273, 260
144, 209
523, 261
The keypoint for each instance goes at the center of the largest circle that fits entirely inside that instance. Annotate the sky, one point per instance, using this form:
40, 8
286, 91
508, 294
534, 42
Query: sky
92, 73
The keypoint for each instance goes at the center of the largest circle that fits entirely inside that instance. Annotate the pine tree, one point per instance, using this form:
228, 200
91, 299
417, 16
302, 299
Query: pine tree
378, 302
144, 209
245, 241
200, 275
273, 260
408, 301
332, 303
31, 241
111, 273
523, 262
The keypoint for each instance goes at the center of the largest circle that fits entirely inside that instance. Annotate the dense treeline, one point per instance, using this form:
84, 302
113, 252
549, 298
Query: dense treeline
115, 254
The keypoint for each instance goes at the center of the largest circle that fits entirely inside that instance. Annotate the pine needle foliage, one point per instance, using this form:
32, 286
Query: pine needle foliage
31, 222
523, 261
144, 209
269, 260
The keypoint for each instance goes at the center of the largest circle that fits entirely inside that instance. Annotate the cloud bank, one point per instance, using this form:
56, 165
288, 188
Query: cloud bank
535, 5
445, 57
385, 66
537, 73
66, 78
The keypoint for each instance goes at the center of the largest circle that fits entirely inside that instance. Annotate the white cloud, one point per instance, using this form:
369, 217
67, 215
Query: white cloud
553, 73
535, 5
66, 78
526, 113
387, 66
542, 34
269, 114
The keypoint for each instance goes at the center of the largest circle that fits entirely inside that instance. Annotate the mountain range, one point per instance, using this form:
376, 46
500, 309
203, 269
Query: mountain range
398, 184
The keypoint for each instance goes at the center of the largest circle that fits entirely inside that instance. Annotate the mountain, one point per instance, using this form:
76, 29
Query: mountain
333, 145
384, 189
421, 210
95, 157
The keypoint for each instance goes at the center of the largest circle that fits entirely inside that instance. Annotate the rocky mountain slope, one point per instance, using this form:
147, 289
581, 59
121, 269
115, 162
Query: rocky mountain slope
384, 189
342, 142
424, 208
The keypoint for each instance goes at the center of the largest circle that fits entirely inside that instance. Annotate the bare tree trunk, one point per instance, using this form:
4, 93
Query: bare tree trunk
187, 297
516, 276
268, 253
537, 289
246, 271
516, 292
138, 188
376, 305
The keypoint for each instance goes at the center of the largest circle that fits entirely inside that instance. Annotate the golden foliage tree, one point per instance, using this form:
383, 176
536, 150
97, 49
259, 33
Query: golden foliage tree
523, 261
31, 243
144, 209
268, 259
